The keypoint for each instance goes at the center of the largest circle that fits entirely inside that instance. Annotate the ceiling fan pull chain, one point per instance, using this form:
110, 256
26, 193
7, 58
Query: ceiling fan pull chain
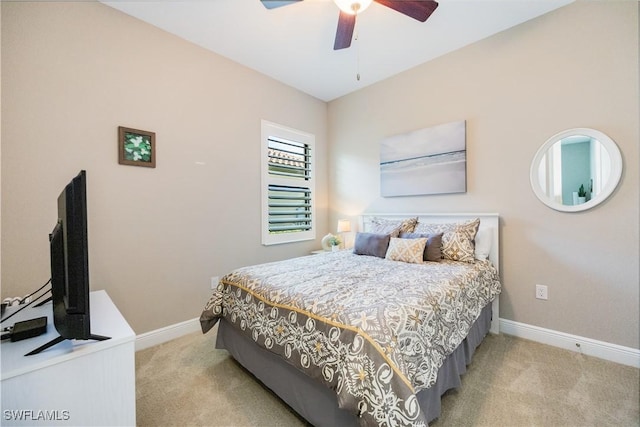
357, 56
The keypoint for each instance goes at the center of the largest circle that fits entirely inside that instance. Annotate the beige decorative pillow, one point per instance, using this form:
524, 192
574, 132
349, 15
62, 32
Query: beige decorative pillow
391, 226
406, 250
457, 239
433, 250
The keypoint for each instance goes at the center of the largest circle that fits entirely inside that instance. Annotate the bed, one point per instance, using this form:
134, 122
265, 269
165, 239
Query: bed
369, 336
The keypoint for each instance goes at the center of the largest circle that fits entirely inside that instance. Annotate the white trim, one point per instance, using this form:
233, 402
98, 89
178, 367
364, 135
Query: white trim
590, 347
600, 349
268, 130
168, 333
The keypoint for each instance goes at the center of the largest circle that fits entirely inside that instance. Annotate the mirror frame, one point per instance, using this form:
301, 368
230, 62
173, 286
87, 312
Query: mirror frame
609, 187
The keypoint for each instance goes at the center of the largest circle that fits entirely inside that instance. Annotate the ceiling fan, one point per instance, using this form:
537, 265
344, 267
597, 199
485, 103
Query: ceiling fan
349, 9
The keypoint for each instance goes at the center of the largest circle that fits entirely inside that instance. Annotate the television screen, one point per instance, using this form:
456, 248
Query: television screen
70, 262
70, 266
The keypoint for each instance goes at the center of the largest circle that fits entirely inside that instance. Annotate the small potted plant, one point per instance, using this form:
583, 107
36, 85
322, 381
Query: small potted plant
334, 242
582, 194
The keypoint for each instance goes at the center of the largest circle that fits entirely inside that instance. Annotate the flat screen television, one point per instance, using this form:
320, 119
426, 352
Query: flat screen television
70, 266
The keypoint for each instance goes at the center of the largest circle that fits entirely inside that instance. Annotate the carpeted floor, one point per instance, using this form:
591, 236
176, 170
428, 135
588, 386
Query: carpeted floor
511, 382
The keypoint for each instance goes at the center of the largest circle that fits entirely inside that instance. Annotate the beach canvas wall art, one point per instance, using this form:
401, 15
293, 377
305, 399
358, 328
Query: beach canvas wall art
426, 161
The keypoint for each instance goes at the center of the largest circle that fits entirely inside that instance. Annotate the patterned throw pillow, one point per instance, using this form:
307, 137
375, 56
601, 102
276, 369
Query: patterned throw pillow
406, 250
391, 226
433, 250
457, 239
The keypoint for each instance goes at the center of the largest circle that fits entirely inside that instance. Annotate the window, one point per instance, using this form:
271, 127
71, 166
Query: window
288, 211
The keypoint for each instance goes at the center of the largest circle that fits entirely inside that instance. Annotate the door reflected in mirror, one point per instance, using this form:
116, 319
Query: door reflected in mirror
576, 169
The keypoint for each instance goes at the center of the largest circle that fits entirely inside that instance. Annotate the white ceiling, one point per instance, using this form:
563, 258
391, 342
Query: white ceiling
294, 44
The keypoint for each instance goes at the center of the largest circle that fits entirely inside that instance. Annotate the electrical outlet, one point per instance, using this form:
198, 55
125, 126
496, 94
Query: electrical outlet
542, 292
214, 281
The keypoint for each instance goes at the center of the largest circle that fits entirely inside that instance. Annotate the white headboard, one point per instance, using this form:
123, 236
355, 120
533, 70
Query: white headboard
488, 221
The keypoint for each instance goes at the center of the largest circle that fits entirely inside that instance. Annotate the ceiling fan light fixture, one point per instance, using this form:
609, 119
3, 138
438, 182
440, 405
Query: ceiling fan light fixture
353, 7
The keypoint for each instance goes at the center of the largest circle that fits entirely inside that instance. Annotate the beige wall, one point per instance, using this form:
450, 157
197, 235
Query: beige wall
71, 74
575, 67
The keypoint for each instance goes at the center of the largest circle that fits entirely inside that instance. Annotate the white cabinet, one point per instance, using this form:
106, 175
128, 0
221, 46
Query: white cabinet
80, 383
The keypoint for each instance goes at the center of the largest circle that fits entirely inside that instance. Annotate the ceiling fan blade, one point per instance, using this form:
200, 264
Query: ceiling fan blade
344, 33
420, 10
272, 4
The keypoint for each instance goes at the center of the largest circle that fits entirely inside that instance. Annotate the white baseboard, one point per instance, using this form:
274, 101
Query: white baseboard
168, 333
603, 350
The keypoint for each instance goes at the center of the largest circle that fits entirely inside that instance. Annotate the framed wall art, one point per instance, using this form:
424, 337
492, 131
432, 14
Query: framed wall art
136, 147
426, 161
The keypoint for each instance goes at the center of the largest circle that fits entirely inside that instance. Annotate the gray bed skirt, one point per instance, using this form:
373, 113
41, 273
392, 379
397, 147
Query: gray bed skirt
318, 404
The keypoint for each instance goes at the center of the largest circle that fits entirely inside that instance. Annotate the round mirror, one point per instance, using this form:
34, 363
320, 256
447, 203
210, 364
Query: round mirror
576, 170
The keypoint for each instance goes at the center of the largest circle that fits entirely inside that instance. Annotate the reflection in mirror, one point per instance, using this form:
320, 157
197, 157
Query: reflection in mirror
576, 169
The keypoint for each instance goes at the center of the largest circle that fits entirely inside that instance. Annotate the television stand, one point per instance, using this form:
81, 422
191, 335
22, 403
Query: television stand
59, 340
76, 382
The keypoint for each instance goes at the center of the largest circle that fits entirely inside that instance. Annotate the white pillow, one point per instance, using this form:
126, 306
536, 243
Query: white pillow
484, 240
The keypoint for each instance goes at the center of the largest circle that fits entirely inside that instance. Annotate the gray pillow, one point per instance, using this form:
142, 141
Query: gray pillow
371, 244
433, 249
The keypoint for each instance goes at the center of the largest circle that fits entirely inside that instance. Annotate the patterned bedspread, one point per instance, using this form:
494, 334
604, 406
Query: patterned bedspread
375, 331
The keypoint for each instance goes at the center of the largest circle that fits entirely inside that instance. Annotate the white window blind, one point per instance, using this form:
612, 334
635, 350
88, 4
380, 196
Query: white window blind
287, 184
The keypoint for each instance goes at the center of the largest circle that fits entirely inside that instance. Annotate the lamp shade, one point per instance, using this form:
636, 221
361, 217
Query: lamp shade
344, 225
353, 6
